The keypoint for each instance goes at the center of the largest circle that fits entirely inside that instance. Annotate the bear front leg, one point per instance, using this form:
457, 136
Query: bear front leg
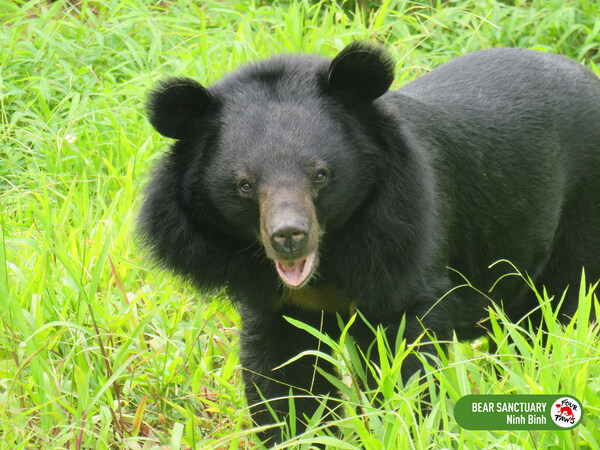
436, 323
267, 341
365, 340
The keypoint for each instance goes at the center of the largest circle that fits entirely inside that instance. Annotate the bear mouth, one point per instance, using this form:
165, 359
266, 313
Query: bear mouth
297, 272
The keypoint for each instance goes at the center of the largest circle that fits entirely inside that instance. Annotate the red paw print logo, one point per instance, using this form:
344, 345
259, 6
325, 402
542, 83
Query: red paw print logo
566, 412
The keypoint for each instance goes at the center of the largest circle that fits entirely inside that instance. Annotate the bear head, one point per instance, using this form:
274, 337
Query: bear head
281, 152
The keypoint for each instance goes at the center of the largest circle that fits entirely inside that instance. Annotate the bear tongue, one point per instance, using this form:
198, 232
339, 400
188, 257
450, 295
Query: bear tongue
291, 271
294, 273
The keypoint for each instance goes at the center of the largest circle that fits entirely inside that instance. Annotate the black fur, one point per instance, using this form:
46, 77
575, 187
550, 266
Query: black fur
494, 155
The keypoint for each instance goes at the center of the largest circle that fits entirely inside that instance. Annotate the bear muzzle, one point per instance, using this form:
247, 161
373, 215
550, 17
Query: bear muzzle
290, 233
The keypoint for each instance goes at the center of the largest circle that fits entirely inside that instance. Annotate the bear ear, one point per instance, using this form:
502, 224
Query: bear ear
362, 69
176, 106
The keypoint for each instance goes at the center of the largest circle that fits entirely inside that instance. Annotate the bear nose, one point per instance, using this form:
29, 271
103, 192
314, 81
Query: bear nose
289, 239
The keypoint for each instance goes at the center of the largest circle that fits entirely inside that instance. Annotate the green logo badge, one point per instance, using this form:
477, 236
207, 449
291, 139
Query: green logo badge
518, 412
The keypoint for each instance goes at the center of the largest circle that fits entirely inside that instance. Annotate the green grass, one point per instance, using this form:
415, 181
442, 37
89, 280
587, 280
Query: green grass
99, 350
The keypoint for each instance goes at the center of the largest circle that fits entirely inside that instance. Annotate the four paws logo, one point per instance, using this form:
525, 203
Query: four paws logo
566, 412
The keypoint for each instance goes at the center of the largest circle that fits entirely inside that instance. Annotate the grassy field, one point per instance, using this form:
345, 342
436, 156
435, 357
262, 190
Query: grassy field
98, 349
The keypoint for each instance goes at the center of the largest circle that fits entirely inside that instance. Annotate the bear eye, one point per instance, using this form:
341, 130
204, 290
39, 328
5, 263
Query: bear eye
321, 176
245, 187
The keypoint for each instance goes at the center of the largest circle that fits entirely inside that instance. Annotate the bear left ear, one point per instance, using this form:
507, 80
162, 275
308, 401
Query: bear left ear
176, 107
362, 69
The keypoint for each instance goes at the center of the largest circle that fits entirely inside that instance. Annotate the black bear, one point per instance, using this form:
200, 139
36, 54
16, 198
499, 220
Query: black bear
310, 190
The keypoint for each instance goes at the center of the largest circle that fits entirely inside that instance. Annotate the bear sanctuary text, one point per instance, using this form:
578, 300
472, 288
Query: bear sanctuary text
310, 190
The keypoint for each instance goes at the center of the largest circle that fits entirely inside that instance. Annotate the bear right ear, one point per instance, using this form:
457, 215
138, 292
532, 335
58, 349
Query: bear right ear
363, 70
175, 108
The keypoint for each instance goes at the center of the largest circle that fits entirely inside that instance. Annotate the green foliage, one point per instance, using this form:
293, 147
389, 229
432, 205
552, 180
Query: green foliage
528, 361
97, 349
